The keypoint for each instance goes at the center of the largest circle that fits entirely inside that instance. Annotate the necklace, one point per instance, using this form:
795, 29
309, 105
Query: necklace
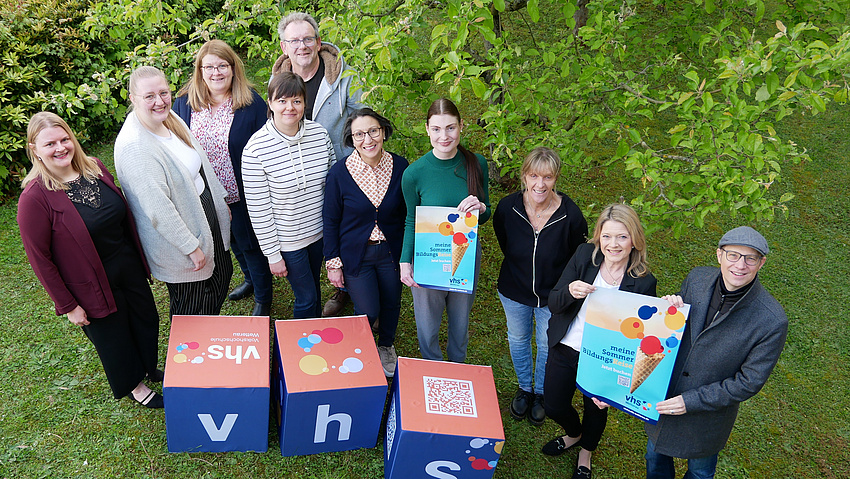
615, 281
536, 223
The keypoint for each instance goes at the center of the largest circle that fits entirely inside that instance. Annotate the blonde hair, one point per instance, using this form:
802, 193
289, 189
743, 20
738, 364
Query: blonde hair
541, 160
81, 163
172, 122
628, 217
196, 88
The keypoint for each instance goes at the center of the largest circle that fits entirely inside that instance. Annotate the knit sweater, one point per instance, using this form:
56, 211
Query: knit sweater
162, 196
284, 178
430, 181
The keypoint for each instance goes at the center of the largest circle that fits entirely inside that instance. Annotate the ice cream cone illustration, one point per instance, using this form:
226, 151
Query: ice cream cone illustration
458, 250
644, 365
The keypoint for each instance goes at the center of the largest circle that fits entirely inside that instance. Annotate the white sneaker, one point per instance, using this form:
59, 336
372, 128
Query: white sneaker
388, 359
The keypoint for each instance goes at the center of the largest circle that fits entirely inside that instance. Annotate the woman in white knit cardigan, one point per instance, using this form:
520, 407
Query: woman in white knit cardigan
177, 200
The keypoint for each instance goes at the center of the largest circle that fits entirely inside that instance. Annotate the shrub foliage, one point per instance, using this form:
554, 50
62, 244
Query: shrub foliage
684, 95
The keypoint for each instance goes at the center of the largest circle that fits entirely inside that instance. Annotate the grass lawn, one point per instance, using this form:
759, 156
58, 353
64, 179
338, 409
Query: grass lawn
57, 417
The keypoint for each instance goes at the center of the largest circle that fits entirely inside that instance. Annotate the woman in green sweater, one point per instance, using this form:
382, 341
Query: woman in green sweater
448, 175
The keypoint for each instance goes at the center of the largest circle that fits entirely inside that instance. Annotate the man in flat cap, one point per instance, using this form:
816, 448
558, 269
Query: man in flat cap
732, 341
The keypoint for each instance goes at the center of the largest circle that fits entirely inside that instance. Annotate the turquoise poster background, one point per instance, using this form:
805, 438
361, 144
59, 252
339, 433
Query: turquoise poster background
628, 350
444, 248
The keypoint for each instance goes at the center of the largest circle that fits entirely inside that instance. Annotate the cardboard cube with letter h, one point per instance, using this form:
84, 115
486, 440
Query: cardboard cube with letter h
329, 386
444, 421
216, 387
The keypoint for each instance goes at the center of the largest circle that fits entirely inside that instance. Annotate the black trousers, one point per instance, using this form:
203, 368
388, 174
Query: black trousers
126, 341
560, 386
205, 297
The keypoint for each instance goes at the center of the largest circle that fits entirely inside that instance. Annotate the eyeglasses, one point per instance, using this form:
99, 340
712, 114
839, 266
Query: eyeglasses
306, 41
150, 98
734, 256
374, 133
218, 68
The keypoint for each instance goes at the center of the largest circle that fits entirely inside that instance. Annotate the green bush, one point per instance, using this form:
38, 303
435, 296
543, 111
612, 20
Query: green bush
73, 57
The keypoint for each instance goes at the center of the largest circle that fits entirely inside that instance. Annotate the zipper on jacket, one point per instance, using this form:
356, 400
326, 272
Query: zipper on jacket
534, 252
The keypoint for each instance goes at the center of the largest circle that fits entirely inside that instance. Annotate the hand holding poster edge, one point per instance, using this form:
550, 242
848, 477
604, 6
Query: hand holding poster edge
628, 350
442, 236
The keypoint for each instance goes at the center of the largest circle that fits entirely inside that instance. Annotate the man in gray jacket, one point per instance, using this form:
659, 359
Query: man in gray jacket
330, 98
735, 333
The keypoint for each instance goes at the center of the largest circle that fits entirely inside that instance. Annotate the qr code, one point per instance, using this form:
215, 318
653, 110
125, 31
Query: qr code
447, 268
623, 381
452, 397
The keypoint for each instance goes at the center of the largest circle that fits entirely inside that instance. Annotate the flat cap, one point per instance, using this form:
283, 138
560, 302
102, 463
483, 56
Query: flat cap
745, 236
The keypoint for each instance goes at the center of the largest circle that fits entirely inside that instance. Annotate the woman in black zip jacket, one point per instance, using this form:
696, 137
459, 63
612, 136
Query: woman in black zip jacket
538, 230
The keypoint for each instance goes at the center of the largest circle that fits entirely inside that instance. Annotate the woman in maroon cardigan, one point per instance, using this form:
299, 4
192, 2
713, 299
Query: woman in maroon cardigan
81, 241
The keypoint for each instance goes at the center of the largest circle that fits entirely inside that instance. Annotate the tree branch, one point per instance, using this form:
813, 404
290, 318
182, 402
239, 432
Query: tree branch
379, 15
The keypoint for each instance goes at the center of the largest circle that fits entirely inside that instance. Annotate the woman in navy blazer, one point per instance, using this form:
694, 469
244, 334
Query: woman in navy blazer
223, 111
363, 222
81, 241
614, 258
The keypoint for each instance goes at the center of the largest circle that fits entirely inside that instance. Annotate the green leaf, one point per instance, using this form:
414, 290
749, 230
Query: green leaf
622, 149
762, 94
786, 95
818, 102
750, 187
759, 11
708, 101
772, 82
533, 10
478, 87
709, 6
791, 79
499, 4
694, 78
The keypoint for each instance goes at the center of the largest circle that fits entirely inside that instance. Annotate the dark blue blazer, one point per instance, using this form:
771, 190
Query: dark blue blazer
349, 216
246, 121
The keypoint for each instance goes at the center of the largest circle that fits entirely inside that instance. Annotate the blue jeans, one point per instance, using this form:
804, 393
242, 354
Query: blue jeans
522, 319
659, 466
428, 307
303, 267
376, 290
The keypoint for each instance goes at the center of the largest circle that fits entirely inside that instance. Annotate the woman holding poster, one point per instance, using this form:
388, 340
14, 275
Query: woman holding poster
538, 230
449, 175
615, 258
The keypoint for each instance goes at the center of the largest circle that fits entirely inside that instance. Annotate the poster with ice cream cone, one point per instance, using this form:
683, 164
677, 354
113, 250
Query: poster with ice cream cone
628, 350
445, 243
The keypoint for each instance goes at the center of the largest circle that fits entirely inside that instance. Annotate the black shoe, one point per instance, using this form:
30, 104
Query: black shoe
262, 309
241, 292
521, 404
537, 413
555, 447
581, 473
156, 376
153, 400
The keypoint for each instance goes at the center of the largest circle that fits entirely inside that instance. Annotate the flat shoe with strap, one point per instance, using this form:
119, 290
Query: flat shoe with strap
152, 401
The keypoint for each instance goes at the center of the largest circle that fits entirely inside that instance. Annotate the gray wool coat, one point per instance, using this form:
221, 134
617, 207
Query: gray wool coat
168, 211
719, 368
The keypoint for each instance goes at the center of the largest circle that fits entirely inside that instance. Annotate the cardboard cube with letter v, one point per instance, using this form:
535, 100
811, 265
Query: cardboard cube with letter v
216, 387
444, 421
329, 386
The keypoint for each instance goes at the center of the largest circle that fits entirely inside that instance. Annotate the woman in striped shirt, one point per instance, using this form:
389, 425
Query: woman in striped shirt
284, 166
